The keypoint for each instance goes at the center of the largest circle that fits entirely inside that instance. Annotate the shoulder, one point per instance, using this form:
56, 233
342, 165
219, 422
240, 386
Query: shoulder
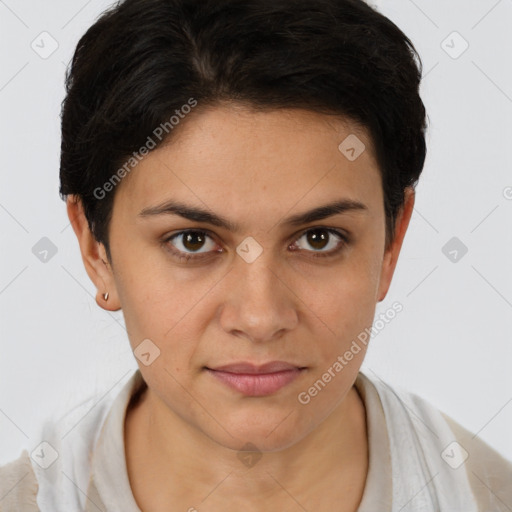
18, 485
489, 473
62, 447
457, 461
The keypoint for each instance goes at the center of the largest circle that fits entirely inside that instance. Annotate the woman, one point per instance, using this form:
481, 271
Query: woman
240, 177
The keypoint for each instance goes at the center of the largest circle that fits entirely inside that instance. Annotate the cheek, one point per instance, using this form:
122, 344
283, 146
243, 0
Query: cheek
343, 300
342, 335
159, 306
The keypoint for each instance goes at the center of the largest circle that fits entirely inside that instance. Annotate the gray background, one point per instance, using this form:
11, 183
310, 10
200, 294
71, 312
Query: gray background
451, 344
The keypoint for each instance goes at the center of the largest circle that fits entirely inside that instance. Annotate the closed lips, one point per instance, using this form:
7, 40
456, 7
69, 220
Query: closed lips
252, 369
256, 380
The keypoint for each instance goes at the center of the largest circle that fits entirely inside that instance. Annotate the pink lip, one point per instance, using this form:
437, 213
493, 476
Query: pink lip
255, 380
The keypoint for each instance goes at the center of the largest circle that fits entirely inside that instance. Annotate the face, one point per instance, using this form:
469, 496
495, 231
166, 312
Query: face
215, 263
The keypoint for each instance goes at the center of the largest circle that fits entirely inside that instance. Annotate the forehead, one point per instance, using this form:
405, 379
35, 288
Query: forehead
236, 156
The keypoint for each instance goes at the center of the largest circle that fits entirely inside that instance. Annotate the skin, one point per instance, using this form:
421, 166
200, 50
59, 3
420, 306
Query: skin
256, 169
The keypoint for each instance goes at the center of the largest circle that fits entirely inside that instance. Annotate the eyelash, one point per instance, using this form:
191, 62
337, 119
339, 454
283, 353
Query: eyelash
182, 256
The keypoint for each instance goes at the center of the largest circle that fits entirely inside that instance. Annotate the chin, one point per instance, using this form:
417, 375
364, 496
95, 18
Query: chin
273, 435
259, 443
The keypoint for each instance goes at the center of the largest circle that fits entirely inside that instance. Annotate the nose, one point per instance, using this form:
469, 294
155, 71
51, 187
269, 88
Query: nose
260, 306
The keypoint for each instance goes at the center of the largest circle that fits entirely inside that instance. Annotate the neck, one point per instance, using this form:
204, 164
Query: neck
171, 463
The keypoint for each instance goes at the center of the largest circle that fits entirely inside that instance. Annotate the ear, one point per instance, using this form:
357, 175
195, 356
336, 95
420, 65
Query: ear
94, 256
391, 255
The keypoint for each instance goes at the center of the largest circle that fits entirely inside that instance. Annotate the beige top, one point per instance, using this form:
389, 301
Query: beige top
391, 485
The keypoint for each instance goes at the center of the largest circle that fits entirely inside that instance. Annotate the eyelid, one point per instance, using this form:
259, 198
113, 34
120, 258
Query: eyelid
342, 234
189, 255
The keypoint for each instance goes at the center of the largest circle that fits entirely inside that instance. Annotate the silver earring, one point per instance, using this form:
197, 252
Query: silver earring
105, 296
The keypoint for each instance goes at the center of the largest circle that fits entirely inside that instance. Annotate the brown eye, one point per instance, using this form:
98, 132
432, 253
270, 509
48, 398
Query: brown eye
193, 240
325, 241
318, 238
186, 244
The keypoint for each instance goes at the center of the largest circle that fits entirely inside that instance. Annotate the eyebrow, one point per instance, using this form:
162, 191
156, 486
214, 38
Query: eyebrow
197, 214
